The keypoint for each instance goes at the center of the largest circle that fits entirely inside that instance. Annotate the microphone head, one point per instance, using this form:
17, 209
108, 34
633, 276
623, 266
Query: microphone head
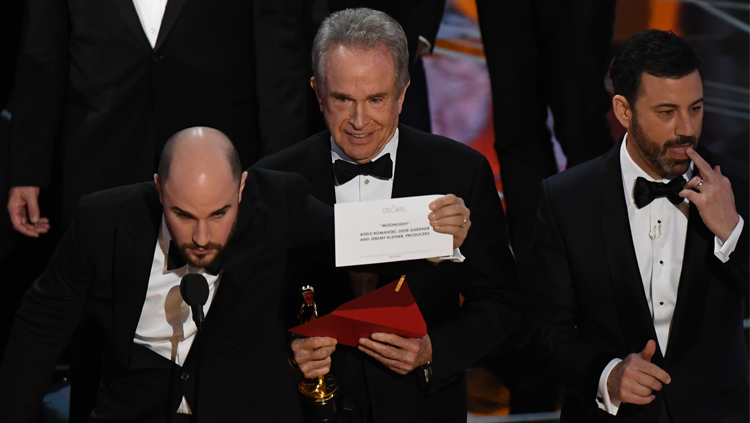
194, 289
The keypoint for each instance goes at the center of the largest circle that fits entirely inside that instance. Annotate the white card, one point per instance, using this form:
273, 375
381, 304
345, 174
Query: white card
389, 230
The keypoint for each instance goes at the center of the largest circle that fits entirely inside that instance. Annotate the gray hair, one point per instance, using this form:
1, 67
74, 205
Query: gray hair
364, 29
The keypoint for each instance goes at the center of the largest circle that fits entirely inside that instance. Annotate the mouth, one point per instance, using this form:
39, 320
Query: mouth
201, 252
359, 138
680, 151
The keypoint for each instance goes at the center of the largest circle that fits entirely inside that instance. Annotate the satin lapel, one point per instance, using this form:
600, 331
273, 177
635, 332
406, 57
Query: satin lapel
128, 12
134, 253
234, 255
174, 7
412, 165
318, 170
625, 276
693, 288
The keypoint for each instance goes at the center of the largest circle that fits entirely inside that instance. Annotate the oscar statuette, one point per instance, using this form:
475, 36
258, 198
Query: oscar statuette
319, 395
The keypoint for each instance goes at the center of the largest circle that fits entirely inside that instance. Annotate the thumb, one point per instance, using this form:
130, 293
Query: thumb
32, 205
649, 351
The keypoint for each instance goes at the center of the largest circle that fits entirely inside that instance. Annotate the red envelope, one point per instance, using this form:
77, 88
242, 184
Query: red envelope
383, 310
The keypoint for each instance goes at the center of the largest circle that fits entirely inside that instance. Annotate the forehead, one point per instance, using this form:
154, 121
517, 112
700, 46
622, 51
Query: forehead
682, 91
349, 69
202, 198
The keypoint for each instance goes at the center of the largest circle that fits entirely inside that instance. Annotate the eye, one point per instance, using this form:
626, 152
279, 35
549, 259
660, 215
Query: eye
220, 214
666, 113
696, 108
376, 100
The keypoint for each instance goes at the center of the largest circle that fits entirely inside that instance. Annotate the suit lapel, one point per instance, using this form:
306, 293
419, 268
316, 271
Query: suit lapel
625, 276
128, 12
174, 7
692, 291
320, 178
412, 166
134, 252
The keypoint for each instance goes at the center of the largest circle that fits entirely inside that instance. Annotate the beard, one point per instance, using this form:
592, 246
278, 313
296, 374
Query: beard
205, 261
657, 156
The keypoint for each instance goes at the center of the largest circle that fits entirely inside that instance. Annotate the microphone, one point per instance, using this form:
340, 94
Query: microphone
194, 291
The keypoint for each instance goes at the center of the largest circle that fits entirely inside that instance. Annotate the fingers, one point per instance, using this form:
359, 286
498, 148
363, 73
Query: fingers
313, 355
703, 167
23, 207
32, 205
395, 352
443, 201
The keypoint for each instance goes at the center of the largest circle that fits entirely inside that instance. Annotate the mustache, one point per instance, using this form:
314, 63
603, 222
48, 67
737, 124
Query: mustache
681, 141
194, 246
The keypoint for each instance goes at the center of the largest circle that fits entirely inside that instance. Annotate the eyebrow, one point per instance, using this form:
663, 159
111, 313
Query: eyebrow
700, 100
188, 214
336, 94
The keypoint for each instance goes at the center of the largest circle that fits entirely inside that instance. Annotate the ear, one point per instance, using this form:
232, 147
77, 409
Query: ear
318, 94
242, 184
158, 188
622, 110
401, 98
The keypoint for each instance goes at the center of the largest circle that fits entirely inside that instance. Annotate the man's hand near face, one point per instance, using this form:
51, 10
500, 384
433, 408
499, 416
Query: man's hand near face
402, 355
714, 199
450, 216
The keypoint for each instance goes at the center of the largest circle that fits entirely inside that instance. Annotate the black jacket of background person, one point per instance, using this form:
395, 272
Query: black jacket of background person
102, 266
94, 103
590, 306
460, 335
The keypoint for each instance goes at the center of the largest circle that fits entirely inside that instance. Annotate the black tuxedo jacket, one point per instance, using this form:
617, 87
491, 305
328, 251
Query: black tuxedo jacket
94, 103
590, 307
102, 267
425, 164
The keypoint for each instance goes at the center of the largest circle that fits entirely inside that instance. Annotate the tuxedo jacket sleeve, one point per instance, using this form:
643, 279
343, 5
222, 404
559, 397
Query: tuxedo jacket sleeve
47, 317
42, 72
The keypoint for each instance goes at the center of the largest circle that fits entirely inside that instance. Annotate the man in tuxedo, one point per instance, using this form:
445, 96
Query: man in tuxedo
360, 76
639, 266
100, 87
121, 262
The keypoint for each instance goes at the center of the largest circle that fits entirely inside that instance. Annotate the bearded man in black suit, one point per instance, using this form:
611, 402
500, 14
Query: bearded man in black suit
121, 262
639, 266
360, 66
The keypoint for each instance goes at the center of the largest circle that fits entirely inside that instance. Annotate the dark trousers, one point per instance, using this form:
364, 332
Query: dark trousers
540, 54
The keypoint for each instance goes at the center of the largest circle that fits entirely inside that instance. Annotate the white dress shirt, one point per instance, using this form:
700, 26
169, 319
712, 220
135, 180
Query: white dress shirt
166, 324
658, 231
372, 188
150, 12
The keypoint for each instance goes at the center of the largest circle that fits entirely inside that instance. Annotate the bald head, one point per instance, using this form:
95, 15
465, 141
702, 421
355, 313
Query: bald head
200, 184
197, 149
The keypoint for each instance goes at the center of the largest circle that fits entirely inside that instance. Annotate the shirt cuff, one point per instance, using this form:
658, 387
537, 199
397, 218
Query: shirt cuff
456, 257
602, 395
722, 250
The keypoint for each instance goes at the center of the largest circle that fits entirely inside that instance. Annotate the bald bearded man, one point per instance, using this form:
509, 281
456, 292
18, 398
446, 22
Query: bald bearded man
122, 260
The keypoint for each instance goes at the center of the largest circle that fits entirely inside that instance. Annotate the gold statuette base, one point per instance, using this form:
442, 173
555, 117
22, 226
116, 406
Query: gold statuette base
320, 389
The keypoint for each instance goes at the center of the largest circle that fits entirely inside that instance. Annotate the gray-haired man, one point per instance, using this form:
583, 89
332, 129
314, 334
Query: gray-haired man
360, 62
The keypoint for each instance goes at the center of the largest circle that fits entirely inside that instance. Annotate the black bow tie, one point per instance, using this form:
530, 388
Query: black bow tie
381, 168
645, 191
176, 261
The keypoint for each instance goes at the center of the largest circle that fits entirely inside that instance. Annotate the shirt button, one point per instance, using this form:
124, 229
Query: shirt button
367, 181
152, 30
185, 376
661, 261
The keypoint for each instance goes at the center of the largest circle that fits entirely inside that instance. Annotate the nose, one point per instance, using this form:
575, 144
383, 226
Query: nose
201, 233
685, 126
358, 119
